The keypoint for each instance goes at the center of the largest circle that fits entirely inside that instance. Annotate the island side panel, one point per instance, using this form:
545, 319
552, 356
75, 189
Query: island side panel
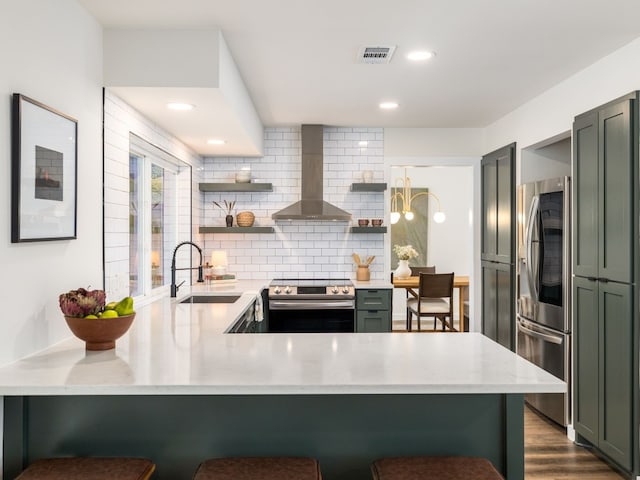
13, 430
514, 436
344, 432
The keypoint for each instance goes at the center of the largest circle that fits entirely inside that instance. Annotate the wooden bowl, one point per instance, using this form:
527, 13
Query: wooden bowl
376, 222
245, 219
100, 333
363, 222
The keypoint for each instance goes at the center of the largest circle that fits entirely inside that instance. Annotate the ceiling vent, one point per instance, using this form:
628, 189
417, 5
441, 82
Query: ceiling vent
377, 54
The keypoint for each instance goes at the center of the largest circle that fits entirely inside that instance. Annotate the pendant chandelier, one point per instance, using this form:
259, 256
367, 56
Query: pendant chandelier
403, 194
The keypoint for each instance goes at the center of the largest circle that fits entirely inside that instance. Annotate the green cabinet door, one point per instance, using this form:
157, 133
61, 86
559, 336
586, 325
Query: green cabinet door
603, 187
373, 321
615, 201
498, 309
585, 358
585, 195
498, 205
616, 372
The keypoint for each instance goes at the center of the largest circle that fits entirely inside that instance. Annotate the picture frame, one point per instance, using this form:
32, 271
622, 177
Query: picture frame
44, 172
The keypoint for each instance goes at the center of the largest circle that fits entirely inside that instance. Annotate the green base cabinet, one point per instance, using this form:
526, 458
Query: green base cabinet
603, 362
373, 310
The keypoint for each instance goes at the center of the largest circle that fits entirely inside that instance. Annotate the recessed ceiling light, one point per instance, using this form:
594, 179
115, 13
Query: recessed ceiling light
216, 141
180, 106
388, 105
420, 55
363, 143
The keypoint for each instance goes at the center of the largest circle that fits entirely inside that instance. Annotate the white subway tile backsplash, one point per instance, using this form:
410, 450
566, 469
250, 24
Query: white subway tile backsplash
301, 247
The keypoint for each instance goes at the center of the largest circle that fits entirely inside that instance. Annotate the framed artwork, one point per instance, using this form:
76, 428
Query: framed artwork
412, 232
44, 164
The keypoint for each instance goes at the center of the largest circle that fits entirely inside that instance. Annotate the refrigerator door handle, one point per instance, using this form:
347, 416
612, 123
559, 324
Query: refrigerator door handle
540, 335
532, 222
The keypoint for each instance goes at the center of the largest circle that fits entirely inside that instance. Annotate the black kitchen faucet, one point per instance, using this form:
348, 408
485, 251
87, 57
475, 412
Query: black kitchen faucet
174, 287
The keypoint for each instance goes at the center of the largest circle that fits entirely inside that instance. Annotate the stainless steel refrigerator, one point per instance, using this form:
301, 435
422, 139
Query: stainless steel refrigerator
543, 284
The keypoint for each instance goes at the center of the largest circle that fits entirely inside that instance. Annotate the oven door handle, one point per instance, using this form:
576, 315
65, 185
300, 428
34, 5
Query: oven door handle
306, 305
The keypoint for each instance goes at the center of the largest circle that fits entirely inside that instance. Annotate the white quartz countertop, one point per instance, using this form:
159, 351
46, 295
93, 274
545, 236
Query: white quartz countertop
181, 349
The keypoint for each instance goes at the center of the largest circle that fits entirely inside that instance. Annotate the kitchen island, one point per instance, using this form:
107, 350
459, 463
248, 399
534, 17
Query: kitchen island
178, 390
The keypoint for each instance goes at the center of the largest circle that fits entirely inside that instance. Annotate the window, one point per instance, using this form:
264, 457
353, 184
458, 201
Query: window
153, 186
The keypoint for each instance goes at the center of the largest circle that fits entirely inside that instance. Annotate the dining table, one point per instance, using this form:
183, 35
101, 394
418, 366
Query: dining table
460, 282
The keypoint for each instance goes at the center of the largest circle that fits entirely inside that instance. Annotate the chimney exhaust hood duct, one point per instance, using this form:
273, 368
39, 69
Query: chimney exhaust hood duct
312, 206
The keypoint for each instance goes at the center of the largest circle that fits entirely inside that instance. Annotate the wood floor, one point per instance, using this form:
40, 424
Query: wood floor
550, 455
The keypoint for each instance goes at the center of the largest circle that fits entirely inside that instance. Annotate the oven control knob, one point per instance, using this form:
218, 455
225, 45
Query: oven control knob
334, 290
276, 290
345, 289
287, 289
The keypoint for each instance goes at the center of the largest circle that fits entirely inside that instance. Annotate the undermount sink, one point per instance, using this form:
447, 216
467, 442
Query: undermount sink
211, 299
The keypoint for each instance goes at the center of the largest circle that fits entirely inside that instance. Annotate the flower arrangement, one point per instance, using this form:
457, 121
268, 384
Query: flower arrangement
405, 252
228, 206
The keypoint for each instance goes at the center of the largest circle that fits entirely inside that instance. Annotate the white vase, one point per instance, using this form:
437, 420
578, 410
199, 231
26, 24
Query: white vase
403, 270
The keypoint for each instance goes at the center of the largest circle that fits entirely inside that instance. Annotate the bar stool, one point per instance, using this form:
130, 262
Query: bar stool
440, 468
82, 468
259, 468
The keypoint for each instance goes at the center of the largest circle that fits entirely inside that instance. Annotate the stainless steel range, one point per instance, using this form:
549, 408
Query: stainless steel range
311, 305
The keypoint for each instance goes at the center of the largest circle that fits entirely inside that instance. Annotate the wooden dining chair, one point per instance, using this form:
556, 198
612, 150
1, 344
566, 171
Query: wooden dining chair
434, 299
415, 272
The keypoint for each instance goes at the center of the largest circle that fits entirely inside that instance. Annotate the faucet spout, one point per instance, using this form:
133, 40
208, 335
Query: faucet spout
174, 287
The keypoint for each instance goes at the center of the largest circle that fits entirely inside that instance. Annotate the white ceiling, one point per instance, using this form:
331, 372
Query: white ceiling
297, 57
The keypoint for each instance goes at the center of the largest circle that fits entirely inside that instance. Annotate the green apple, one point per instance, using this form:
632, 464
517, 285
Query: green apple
109, 314
90, 317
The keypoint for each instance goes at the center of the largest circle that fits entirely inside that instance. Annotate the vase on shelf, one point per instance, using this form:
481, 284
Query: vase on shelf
229, 220
403, 270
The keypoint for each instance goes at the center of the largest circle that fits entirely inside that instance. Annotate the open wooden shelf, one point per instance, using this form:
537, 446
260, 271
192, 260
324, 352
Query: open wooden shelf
235, 187
368, 229
368, 187
236, 230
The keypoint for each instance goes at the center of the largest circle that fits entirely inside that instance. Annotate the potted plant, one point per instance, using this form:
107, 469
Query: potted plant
228, 209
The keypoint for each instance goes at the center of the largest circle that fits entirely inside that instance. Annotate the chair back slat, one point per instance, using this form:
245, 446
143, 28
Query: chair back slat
436, 285
416, 271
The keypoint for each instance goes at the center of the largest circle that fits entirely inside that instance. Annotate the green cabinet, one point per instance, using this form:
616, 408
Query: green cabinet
603, 364
498, 245
373, 310
605, 337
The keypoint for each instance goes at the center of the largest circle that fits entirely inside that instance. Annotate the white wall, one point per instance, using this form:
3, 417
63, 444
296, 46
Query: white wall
51, 52
550, 161
552, 112
433, 142
300, 248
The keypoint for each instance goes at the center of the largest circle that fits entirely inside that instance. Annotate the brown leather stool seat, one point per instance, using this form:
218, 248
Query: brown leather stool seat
259, 468
440, 468
88, 468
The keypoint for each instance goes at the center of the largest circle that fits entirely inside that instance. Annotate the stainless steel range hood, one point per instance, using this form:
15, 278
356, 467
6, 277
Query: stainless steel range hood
312, 206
